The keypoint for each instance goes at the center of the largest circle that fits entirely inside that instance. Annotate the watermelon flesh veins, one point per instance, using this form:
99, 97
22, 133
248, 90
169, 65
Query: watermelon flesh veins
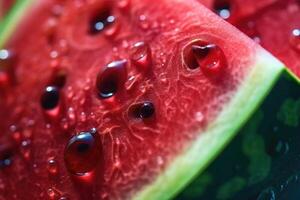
124, 79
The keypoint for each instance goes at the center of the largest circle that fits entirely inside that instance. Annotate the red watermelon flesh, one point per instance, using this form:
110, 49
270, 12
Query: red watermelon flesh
274, 24
5, 6
278, 29
115, 85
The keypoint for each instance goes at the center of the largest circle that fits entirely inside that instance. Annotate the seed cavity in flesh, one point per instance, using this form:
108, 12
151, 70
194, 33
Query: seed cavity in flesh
59, 78
208, 57
222, 8
140, 55
82, 153
111, 79
5, 156
50, 98
101, 20
144, 110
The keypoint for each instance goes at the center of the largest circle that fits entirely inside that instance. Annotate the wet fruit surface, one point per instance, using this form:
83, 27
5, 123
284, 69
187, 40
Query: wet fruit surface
118, 68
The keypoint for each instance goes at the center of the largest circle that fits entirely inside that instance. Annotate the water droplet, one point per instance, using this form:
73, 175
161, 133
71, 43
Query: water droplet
140, 55
208, 57
82, 153
7, 61
111, 78
143, 110
112, 30
15, 133
49, 30
6, 154
279, 147
143, 22
52, 193
267, 194
50, 98
26, 149
123, 4
63, 198
222, 8
52, 166
101, 21
199, 117
295, 39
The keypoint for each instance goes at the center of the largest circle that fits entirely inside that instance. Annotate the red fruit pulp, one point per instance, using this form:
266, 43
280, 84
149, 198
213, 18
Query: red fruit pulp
274, 24
277, 28
151, 114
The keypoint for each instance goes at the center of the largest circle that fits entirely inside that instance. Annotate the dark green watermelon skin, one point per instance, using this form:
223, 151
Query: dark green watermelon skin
263, 161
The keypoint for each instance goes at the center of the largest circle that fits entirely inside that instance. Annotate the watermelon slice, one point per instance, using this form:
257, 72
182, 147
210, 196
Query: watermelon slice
119, 100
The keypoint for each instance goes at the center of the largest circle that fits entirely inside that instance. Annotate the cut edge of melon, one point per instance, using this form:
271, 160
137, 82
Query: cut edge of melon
256, 86
11, 21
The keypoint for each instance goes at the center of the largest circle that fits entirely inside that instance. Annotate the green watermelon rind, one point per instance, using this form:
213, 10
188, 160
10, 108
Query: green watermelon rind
265, 72
12, 19
194, 160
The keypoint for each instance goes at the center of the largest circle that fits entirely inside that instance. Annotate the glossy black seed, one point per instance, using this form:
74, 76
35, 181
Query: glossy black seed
146, 110
82, 153
50, 98
101, 21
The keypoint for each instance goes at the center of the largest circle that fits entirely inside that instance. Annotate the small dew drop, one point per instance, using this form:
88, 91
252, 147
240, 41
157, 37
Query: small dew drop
7, 61
53, 194
295, 39
111, 79
123, 4
101, 21
82, 153
222, 8
50, 98
144, 24
267, 194
140, 56
52, 166
15, 133
26, 149
199, 117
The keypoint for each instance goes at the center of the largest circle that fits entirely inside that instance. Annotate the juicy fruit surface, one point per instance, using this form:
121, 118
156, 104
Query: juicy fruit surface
272, 23
121, 86
277, 28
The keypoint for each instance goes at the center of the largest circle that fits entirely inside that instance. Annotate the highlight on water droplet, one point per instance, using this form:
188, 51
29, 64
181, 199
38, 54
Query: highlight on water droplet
140, 56
7, 62
83, 153
267, 194
111, 79
295, 39
222, 8
209, 57
101, 19
52, 166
